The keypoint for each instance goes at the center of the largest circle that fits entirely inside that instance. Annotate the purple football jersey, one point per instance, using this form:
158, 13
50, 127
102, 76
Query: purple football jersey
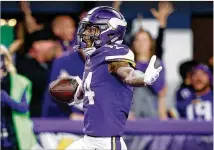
107, 99
201, 110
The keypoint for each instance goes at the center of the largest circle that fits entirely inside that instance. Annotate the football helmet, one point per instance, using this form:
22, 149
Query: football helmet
102, 25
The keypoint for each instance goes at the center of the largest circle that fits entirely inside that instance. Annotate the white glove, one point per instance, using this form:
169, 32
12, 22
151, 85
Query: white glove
78, 91
151, 73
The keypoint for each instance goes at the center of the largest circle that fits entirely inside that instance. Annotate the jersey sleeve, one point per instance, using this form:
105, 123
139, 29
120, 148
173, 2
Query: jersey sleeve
119, 53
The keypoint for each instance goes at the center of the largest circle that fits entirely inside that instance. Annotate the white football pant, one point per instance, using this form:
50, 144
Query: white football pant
98, 143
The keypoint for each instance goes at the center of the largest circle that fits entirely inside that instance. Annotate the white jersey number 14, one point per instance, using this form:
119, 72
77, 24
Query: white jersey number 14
88, 92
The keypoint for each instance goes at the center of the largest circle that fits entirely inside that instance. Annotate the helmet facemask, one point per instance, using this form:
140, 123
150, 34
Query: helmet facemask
89, 35
108, 26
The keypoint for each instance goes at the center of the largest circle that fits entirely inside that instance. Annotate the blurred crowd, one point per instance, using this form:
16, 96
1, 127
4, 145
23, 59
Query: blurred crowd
42, 53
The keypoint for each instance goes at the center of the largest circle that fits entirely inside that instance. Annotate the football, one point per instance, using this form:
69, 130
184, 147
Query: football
63, 89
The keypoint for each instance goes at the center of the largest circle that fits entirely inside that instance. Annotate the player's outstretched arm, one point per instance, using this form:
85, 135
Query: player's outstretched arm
130, 76
135, 77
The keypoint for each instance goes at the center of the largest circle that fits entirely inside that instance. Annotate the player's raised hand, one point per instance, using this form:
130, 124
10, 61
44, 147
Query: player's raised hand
152, 73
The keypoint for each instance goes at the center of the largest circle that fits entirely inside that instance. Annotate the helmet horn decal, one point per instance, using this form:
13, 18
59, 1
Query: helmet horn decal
115, 22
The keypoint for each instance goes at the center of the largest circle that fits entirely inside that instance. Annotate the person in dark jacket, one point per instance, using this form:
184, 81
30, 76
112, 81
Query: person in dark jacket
41, 48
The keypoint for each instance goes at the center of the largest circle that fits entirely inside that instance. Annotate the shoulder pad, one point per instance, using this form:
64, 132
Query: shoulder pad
119, 52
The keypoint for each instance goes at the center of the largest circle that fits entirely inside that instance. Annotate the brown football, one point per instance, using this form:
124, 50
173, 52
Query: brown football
63, 90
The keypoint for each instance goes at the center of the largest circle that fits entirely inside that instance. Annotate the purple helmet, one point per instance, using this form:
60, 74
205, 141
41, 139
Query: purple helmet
111, 23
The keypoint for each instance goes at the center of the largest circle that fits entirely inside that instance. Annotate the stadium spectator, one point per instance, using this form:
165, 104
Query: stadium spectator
197, 103
15, 99
52, 108
185, 88
40, 50
185, 72
146, 100
62, 26
165, 9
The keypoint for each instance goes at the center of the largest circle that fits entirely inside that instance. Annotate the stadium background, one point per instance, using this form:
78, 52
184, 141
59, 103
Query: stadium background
189, 35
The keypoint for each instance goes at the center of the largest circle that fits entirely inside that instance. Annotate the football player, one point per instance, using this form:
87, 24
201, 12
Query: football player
108, 78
